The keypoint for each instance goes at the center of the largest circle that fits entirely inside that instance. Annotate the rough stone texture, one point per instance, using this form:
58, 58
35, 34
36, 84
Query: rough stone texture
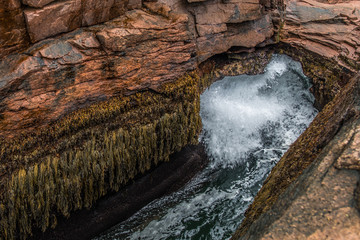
247, 34
137, 51
350, 158
319, 204
53, 19
64, 16
95, 11
37, 3
330, 30
235, 11
220, 25
13, 34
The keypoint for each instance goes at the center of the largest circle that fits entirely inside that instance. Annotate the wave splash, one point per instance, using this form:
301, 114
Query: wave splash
248, 124
265, 112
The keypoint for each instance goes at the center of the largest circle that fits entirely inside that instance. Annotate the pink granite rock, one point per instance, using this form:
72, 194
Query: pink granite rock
330, 30
37, 3
53, 19
95, 11
135, 52
13, 34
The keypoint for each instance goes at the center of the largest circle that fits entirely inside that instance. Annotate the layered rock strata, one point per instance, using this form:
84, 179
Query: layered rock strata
136, 52
329, 29
84, 112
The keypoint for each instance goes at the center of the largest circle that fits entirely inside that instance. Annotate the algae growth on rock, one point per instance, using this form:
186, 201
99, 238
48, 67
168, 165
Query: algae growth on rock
92, 152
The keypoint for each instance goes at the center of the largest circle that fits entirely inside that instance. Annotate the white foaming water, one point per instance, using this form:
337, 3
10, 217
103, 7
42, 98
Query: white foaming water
248, 124
236, 110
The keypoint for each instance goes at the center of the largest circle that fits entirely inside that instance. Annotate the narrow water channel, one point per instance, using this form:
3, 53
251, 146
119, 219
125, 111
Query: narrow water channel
248, 124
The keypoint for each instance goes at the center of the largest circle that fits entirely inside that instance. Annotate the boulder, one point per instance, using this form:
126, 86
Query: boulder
53, 19
13, 35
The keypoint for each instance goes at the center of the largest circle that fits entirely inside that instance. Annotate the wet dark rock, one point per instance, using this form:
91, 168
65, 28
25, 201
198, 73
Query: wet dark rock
164, 179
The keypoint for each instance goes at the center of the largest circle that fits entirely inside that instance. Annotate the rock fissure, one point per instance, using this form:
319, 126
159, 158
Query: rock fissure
109, 66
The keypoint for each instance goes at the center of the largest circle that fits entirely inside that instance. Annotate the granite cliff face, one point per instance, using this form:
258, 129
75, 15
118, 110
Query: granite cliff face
137, 51
329, 29
79, 78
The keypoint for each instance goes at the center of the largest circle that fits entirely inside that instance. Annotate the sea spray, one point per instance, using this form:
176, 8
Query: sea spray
248, 124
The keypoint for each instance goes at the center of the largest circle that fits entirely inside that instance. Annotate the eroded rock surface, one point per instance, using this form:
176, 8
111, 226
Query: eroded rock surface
13, 34
321, 202
138, 51
64, 71
330, 30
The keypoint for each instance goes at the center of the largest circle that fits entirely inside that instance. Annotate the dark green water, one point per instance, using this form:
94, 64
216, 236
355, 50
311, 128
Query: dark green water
248, 124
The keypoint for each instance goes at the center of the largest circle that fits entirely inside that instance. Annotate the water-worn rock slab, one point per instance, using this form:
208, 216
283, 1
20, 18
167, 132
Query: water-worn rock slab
321, 202
330, 30
37, 3
13, 35
54, 77
53, 19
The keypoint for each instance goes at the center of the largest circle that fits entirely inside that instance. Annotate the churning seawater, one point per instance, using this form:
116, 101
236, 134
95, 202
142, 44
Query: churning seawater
248, 124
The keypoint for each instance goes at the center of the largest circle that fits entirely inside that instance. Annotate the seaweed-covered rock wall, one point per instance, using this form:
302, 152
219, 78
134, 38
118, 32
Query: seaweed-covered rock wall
85, 108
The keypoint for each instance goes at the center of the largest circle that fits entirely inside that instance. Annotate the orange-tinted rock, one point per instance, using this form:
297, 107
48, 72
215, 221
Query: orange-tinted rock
65, 16
13, 34
53, 19
95, 11
235, 11
138, 51
330, 30
37, 3
248, 34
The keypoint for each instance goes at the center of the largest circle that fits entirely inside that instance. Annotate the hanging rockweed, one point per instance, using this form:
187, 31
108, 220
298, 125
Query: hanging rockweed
92, 152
